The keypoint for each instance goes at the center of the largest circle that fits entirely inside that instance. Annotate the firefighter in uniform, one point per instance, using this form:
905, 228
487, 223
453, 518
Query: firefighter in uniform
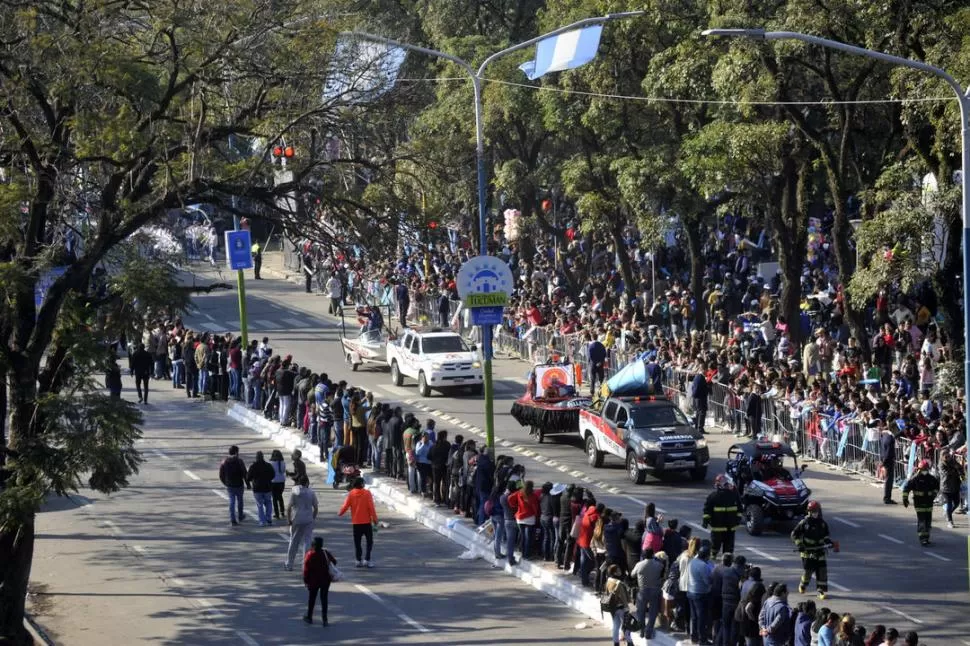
811, 537
924, 487
722, 513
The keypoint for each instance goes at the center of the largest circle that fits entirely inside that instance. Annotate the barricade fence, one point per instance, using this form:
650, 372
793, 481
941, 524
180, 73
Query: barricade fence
842, 443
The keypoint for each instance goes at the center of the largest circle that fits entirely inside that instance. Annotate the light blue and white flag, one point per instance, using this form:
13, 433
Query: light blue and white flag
564, 52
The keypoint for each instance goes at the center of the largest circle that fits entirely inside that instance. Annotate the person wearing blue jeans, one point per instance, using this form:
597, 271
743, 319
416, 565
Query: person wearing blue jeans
699, 583
178, 373
260, 476
203, 380
233, 475
509, 528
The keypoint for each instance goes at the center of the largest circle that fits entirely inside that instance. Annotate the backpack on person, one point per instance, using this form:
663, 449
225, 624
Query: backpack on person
610, 601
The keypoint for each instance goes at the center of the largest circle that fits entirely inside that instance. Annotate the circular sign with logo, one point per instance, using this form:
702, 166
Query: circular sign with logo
485, 281
553, 376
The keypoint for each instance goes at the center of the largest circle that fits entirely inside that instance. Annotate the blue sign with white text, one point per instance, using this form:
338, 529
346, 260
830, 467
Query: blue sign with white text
239, 250
487, 315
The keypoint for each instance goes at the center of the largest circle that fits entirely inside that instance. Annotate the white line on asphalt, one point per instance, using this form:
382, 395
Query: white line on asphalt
636, 500
267, 325
891, 539
209, 316
613, 490
138, 548
190, 474
587, 479
937, 556
296, 324
392, 608
177, 581
763, 554
902, 614
563, 468
846, 522
219, 492
114, 529
551, 463
698, 527
575, 474
284, 536
161, 455
840, 588
249, 641
466, 425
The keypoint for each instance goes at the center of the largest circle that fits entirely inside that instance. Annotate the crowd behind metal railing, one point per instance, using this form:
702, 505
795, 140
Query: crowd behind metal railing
845, 444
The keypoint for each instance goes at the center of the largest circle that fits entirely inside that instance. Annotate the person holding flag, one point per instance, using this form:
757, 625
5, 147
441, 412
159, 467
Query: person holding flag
924, 487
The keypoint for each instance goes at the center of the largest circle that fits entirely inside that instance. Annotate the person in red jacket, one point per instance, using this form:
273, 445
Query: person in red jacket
363, 518
525, 502
586, 558
316, 576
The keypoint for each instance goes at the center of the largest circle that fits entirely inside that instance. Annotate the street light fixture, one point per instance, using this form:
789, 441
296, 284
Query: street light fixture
476, 78
963, 96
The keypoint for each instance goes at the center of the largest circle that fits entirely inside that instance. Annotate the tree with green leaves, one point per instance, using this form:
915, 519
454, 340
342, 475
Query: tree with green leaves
115, 114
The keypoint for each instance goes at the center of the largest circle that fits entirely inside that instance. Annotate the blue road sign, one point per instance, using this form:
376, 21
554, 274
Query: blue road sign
487, 315
239, 250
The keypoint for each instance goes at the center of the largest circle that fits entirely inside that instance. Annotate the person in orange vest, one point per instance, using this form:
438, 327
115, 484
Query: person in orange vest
363, 518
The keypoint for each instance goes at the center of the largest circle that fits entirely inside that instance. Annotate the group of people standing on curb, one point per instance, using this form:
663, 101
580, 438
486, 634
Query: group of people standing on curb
267, 480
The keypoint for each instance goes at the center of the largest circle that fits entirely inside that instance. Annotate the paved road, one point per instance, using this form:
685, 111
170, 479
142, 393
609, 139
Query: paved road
881, 576
158, 563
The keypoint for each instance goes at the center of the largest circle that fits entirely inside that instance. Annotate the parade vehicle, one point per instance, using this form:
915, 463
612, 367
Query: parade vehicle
370, 345
643, 428
550, 404
438, 359
768, 491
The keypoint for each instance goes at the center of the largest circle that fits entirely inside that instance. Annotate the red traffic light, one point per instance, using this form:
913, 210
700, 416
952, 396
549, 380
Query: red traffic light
432, 225
277, 151
288, 151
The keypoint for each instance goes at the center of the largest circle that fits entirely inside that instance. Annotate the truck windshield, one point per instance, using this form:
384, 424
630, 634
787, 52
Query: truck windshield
655, 416
436, 344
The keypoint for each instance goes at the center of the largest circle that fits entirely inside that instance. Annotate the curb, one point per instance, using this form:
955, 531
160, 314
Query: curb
36, 632
543, 580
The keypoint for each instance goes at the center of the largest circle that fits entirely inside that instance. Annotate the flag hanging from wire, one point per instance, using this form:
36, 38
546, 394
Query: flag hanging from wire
564, 52
361, 71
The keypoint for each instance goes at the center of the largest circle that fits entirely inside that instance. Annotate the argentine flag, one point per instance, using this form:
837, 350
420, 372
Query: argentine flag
564, 52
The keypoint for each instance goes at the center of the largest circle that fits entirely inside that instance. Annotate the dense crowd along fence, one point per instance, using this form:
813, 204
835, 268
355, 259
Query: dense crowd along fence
842, 443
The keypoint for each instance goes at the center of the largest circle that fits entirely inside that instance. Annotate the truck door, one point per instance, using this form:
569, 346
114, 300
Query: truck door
622, 425
610, 435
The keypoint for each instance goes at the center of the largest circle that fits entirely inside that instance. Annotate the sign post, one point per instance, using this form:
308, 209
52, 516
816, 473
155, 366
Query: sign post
484, 283
239, 256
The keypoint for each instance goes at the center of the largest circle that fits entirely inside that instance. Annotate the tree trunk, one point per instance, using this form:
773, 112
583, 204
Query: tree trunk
845, 260
692, 228
790, 229
626, 270
953, 266
16, 554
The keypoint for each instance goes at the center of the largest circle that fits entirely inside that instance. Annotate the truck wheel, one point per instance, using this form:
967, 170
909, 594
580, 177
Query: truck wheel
636, 474
593, 456
423, 389
478, 389
698, 474
396, 377
754, 519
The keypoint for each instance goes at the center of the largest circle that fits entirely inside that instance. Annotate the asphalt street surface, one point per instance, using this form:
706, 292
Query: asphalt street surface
882, 575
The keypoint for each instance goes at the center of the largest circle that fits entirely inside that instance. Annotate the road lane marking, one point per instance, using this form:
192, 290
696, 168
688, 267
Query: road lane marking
698, 527
160, 454
891, 539
636, 500
840, 588
563, 468
209, 316
613, 490
249, 641
763, 554
190, 474
138, 548
937, 556
575, 474
284, 536
268, 325
390, 606
847, 522
219, 492
902, 614
114, 529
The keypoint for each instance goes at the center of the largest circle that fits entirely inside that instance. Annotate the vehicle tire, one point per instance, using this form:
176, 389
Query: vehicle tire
699, 474
754, 519
478, 389
593, 456
423, 389
634, 472
396, 377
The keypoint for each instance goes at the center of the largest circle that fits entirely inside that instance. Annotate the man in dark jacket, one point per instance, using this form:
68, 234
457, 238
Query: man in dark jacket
484, 481
887, 457
260, 478
731, 578
753, 411
564, 547
722, 513
699, 392
141, 365
649, 575
396, 438
232, 475
191, 368
613, 532
633, 540
439, 468
923, 486
596, 356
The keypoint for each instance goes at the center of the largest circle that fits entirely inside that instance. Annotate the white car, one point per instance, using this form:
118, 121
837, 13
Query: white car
438, 360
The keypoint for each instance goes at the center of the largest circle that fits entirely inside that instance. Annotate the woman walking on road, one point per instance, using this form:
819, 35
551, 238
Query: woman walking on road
363, 518
279, 483
316, 576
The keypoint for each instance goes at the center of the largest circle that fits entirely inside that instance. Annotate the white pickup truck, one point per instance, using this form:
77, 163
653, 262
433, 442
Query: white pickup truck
439, 360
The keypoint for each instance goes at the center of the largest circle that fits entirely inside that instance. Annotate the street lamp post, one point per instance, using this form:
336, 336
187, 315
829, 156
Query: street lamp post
476, 78
963, 96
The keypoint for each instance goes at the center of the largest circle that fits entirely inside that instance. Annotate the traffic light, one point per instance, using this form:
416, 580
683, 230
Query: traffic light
433, 224
283, 152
